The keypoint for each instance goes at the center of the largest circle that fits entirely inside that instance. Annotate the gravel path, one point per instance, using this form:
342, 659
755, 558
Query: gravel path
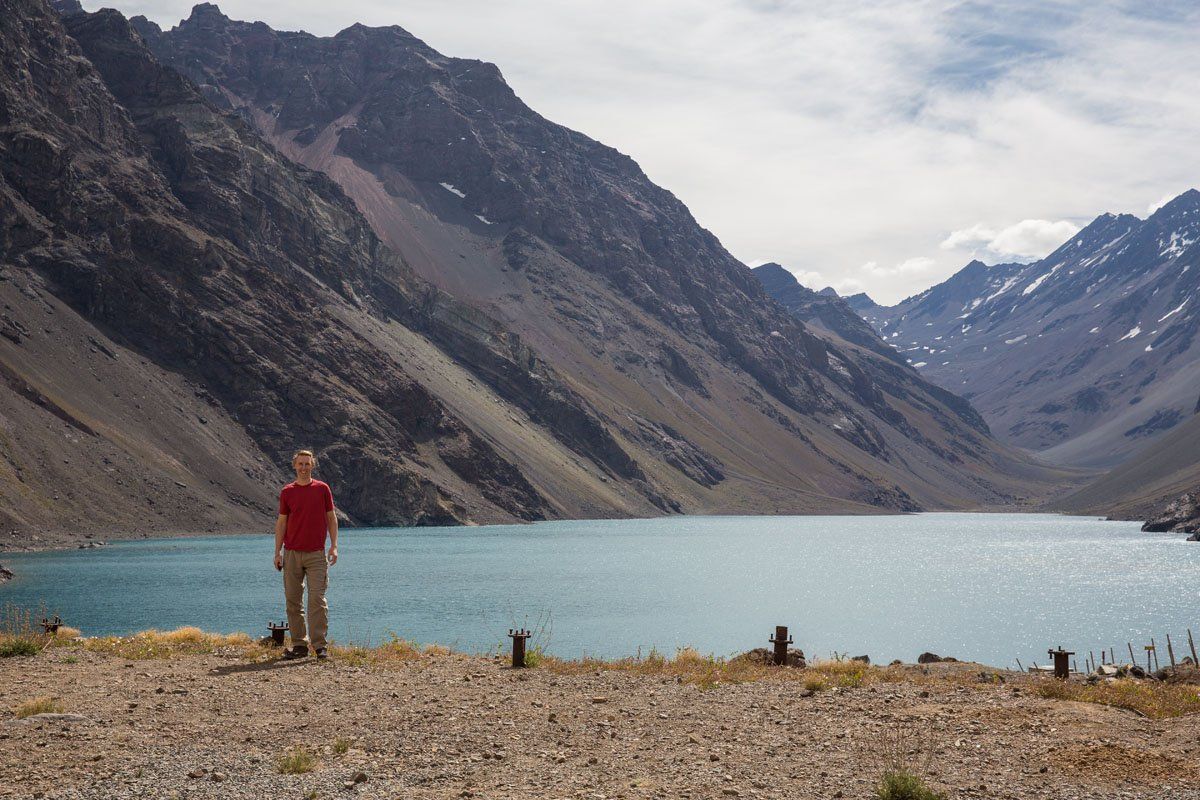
451, 726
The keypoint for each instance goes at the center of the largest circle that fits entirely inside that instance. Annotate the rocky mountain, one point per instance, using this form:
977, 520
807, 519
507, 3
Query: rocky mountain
472, 313
824, 309
570, 245
1085, 356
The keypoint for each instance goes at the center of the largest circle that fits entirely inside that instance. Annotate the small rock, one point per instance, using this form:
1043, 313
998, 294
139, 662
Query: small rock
599, 699
218, 777
198, 773
359, 777
57, 718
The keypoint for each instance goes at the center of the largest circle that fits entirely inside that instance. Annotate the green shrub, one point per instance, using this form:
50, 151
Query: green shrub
297, 761
900, 784
19, 646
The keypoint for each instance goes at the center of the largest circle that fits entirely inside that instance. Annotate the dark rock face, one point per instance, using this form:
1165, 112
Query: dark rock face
5, 574
1181, 516
464, 127
567, 211
185, 237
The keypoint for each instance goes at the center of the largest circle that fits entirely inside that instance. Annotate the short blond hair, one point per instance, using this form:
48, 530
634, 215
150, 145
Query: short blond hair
308, 453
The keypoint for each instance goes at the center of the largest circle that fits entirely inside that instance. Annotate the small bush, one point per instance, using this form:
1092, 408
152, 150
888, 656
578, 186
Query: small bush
534, 656
341, 745
297, 761
38, 705
900, 784
19, 646
815, 683
20, 635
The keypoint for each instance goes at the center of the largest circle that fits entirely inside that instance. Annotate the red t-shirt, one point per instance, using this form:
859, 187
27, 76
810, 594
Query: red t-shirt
305, 507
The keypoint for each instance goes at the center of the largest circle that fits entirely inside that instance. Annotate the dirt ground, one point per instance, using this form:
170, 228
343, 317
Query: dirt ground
454, 726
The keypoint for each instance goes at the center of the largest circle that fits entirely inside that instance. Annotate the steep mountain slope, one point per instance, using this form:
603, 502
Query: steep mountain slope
1084, 356
568, 244
183, 306
1144, 484
823, 309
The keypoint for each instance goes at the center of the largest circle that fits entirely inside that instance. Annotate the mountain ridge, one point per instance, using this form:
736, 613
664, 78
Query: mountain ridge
575, 345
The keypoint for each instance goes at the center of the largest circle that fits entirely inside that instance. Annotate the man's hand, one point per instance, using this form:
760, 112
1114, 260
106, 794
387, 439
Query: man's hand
279, 561
332, 556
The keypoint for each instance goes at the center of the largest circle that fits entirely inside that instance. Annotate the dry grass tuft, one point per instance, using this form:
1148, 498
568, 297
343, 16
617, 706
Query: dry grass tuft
38, 705
394, 650
297, 761
20, 634
1152, 699
166, 644
689, 666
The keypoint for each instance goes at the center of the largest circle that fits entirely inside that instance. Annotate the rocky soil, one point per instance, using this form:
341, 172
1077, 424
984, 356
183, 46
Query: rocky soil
455, 726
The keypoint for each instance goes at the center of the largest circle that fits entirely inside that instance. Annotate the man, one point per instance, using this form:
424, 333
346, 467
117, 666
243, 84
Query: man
305, 515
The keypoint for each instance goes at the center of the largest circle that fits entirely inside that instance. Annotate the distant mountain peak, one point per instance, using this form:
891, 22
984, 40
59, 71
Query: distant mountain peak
829, 291
207, 11
1184, 204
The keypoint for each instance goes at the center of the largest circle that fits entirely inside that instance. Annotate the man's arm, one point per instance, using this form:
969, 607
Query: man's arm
331, 524
280, 530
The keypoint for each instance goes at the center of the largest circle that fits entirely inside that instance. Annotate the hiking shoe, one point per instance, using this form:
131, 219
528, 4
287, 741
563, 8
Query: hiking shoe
322, 653
294, 653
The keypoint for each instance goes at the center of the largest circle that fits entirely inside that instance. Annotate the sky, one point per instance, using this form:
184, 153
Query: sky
871, 146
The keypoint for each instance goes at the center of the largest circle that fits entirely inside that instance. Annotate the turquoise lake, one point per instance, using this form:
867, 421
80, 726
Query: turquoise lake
985, 587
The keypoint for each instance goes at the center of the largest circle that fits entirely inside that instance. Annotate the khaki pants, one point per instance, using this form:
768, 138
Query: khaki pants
300, 567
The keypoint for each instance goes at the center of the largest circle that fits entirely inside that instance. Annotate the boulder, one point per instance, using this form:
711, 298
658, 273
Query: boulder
933, 658
5, 574
795, 657
863, 659
1180, 516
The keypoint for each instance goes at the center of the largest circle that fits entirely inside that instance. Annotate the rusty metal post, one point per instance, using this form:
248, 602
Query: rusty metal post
518, 647
1062, 666
781, 640
1192, 645
1170, 652
52, 625
277, 630
1149, 648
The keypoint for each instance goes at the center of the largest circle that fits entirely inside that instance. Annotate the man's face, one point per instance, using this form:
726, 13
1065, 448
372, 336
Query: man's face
303, 466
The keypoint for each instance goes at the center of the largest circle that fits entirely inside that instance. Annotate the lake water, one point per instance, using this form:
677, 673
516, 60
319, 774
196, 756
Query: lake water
986, 587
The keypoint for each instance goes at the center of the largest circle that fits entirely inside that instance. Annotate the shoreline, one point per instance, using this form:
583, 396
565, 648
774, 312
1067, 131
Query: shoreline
78, 541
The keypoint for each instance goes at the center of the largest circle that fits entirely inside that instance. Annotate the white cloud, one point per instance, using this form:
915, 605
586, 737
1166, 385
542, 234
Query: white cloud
811, 279
911, 266
837, 134
848, 286
1027, 239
